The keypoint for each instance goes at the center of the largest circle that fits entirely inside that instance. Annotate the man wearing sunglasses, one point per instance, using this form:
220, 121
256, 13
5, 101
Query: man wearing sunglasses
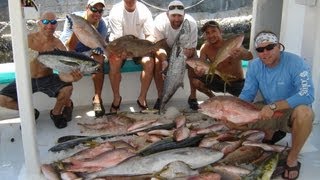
93, 14
168, 25
231, 67
43, 78
130, 17
285, 82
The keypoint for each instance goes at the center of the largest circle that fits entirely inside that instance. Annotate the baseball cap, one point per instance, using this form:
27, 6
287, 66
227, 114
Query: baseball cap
176, 7
94, 2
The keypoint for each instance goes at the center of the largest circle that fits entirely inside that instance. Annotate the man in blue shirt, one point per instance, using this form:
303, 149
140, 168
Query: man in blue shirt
284, 80
93, 14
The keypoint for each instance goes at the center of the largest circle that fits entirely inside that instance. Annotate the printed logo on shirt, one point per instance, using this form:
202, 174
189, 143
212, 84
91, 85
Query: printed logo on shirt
304, 78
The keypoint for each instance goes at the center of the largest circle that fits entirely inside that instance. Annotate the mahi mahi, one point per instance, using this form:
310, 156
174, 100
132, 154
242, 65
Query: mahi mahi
154, 163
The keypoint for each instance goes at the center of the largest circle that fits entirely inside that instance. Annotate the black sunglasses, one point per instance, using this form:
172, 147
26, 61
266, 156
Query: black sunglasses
176, 7
47, 21
268, 48
94, 10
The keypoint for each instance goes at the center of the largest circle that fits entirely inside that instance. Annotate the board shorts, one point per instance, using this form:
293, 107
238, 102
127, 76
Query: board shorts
50, 85
282, 122
218, 85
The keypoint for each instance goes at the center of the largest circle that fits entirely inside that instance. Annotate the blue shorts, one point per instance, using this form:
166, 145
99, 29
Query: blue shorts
50, 85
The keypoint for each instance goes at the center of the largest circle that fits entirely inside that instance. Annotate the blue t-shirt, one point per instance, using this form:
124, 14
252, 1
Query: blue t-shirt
67, 32
290, 80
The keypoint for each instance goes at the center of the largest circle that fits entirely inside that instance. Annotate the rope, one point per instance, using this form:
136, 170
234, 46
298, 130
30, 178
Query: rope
161, 9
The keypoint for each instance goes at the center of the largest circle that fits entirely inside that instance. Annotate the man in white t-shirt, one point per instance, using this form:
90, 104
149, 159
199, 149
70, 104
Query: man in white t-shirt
130, 17
168, 25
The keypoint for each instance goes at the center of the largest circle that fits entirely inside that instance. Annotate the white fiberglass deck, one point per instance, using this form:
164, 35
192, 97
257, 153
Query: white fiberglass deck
12, 158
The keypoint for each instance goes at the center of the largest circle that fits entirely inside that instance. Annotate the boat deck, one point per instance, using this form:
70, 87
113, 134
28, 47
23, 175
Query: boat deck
12, 156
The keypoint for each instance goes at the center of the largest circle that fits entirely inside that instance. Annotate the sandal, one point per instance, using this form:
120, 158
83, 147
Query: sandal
193, 104
142, 107
115, 108
67, 112
292, 169
58, 120
98, 109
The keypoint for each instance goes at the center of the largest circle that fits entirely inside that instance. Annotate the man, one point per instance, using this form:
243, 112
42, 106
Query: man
93, 14
130, 17
43, 78
168, 25
231, 67
285, 82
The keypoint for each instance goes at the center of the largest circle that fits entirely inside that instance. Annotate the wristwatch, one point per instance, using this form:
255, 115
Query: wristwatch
273, 106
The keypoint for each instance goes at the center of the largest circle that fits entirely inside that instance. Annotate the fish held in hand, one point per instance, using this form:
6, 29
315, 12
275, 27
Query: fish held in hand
230, 108
67, 61
131, 46
86, 33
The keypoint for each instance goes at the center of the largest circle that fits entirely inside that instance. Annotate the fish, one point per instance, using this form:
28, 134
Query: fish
176, 169
68, 61
230, 108
181, 133
131, 46
49, 172
170, 143
83, 139
266, 147
266, 169
153, 163
86, 33
177, 66
224, 52
244, 154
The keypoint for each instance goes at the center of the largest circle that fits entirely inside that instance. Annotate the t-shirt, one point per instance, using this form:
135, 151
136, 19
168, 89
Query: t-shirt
163, 29
67, 32
290, 80
138, 23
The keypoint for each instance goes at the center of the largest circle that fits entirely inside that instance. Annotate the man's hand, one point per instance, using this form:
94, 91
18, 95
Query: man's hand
238, 53
266, 113
77, 75
74, 76
188, 52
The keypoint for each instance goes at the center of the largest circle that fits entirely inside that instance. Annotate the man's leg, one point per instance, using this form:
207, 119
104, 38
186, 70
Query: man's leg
145, 78
115, 78
301, 120
98, 79
158, 77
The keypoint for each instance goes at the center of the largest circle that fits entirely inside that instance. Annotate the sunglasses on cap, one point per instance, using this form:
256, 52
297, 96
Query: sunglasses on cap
95, 10
47, 21
268, 48
176, 7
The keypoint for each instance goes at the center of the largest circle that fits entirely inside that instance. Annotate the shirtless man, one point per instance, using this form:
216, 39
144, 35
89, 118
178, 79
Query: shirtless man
231, 67
43, 78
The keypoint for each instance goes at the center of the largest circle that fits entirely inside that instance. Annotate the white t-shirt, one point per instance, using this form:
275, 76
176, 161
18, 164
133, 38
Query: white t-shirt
163, 29
138, 23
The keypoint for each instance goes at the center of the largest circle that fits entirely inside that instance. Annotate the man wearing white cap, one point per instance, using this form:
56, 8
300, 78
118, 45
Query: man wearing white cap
130, 17
285, 82
168, 25
93, 14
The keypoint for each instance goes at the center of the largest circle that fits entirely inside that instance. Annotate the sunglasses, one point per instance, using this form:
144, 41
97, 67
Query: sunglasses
47, 21
176, 7
268, 48
95, 10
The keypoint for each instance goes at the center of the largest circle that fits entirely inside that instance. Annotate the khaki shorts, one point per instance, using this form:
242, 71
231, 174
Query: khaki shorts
282, 122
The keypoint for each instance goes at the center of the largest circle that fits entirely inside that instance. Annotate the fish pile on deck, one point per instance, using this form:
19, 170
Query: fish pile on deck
188, 146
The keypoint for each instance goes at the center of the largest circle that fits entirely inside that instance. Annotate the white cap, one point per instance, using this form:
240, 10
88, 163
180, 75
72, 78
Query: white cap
176, 10
94, 2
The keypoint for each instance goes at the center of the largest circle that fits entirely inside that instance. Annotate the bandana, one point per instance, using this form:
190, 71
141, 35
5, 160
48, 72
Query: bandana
266, 37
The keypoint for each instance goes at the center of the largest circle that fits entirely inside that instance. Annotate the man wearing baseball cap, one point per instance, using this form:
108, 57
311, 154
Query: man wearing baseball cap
93, 14
168, 25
